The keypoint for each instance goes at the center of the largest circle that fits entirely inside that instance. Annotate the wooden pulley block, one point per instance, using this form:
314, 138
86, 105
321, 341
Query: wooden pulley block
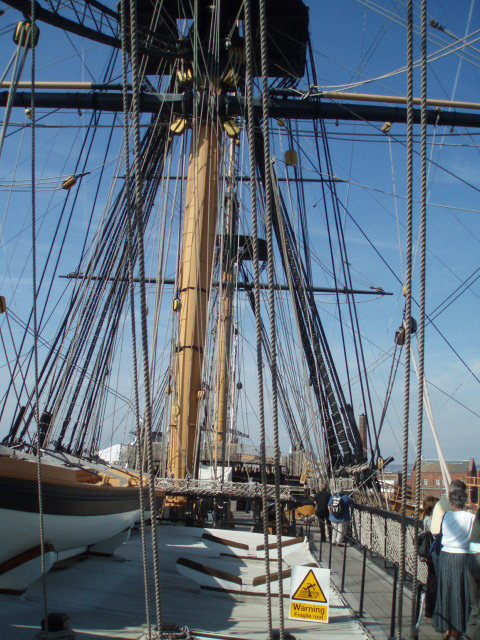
231, 128
179, 126
23, 34
185, 75
291, 158
69, 183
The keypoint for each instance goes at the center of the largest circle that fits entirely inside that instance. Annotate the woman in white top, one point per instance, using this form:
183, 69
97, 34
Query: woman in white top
474, 579
452, 608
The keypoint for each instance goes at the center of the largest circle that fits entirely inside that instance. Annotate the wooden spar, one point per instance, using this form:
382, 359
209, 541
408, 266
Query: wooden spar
225, 338
373, 97
60, 85
306, 109
241, 286
226, 313
331, 95
198, 246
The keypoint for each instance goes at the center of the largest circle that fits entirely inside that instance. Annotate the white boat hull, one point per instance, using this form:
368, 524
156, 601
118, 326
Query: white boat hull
83, 511
20, 540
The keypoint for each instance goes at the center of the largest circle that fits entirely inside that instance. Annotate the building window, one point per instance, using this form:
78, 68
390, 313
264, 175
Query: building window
437, 483
425, 482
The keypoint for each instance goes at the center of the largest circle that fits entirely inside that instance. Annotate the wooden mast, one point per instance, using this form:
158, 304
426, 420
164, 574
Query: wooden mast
226, 311
198, 246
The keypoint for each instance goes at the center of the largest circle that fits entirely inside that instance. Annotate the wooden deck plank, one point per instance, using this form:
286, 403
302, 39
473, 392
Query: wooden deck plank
104, 597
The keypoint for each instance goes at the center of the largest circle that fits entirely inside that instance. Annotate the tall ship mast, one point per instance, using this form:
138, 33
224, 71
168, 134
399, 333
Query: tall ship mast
190, 343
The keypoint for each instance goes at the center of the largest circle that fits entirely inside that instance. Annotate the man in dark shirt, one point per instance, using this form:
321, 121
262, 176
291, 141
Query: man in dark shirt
321, 500
339, 506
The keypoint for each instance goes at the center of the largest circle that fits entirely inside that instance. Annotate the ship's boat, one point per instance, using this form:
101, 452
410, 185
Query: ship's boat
87, 507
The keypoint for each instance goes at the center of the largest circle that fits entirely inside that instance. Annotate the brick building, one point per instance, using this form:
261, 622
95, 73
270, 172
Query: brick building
431, 482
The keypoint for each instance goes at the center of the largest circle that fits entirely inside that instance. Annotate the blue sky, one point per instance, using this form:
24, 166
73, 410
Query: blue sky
352, 43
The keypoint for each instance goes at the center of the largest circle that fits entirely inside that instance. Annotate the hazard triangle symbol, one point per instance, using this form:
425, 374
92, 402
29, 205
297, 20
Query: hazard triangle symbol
309, 590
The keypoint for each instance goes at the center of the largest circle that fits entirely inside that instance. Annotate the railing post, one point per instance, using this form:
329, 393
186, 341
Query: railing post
371, 531
394, 603
415, 625
385, 528
360, 514
330, 554
362, 586
342, 588
320, 548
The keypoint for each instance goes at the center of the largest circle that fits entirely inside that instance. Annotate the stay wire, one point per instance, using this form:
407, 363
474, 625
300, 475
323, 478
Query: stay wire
31, 35
390, 384
19, 64
398, 279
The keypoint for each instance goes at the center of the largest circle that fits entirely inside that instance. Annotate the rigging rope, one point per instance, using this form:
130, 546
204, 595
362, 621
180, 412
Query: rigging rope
123, 20
36, 407
258, 318
271, 299
421, 326
408, 312
19, 64
147, 424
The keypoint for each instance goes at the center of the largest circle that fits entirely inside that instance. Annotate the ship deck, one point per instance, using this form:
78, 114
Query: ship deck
378, 592
104, 597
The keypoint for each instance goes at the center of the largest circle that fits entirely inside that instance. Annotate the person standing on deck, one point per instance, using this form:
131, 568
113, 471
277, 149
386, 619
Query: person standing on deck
431, 587
322, 498
452, 608
339, 507
474, 579
439, 510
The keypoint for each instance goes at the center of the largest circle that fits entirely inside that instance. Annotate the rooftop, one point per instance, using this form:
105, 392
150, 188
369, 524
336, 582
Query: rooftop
454, 466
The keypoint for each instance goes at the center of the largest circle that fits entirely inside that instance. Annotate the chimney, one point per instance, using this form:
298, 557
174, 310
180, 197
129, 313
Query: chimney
362, 427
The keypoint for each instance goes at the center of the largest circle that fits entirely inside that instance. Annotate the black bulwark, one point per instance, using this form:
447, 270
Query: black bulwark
87, 500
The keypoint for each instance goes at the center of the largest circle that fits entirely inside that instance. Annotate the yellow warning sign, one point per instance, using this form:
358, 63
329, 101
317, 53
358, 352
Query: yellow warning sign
310, 590
309, 612
309, 594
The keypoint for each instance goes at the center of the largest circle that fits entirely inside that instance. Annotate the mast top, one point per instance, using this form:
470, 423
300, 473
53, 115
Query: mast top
288, 22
